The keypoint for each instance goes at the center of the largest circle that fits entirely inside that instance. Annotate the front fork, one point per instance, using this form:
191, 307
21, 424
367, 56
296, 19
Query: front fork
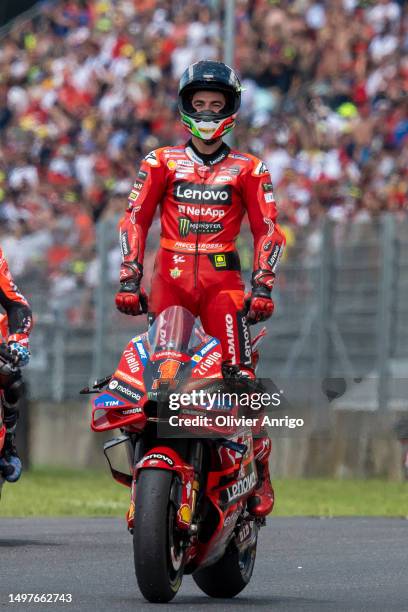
186, 463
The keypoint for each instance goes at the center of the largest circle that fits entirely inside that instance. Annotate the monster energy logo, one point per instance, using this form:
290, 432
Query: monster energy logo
187, 226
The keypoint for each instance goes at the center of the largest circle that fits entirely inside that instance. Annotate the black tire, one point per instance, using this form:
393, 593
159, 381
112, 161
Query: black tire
158, 576
229, 575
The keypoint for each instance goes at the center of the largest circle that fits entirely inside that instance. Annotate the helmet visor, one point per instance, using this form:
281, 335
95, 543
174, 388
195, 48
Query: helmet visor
232, 101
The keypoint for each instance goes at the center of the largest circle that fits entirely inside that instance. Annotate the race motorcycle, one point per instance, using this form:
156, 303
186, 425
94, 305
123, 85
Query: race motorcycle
8, 373
188, 494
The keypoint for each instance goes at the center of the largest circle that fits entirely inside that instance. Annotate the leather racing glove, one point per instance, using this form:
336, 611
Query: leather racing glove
131, 298
259, 304
18, 346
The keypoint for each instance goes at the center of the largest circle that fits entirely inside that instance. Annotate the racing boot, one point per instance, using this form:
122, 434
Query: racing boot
261, 502
10, 462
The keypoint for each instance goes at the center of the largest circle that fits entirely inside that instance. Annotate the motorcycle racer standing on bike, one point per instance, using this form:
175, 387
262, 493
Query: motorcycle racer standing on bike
204, 189
16, 335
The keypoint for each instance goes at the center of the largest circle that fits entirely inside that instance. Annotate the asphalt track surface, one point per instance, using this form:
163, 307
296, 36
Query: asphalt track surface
350, 564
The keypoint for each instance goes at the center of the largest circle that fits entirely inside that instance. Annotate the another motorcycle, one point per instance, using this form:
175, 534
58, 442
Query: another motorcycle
188, 493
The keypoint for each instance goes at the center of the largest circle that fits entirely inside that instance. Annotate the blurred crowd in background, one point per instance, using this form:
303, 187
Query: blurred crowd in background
88, 87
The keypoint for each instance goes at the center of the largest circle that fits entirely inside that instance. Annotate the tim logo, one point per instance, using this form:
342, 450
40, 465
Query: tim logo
206, 194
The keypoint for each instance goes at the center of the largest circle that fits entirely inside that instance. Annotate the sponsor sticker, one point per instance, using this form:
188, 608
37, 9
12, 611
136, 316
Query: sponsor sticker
135, 209
193, 156
173, 150
220, 260
208, 347
223, 179
207, 194
233, 170
127, 378
171, 164
159, 457
260, 169
238, 156
229, 327
183, 172
125, 390
207, 363
184, 514
108, 401
151, 159
270, 224
269, 198
267, 187
175, 272
274, 257
202, 246
131, 359
131, 511
134, 194
141, 350
186, 226
129, 411
142, 175
239, 488
245, 347
124, 243
214, 213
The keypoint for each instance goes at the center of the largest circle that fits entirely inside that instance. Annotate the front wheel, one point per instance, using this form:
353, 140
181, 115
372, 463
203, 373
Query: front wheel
230, 575
158, 552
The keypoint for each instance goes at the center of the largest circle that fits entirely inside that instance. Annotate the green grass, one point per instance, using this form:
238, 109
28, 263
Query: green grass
53, 492
327, 497
60, 492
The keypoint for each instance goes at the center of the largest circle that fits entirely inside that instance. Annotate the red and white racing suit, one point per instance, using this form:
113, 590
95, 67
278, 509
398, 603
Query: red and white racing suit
202, 206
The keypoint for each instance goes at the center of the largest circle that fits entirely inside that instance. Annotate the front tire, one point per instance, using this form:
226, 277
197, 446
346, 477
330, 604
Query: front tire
229, 575
159, 562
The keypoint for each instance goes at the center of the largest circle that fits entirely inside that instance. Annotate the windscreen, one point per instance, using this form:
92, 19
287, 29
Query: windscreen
171, 330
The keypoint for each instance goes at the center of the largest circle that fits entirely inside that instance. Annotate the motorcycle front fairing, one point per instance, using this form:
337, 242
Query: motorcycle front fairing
176, 350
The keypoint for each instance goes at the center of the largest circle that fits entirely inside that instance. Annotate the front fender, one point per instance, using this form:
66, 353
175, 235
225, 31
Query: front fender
165, 458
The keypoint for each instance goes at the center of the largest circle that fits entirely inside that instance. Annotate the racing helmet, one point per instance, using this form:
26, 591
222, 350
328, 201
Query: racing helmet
209, 75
